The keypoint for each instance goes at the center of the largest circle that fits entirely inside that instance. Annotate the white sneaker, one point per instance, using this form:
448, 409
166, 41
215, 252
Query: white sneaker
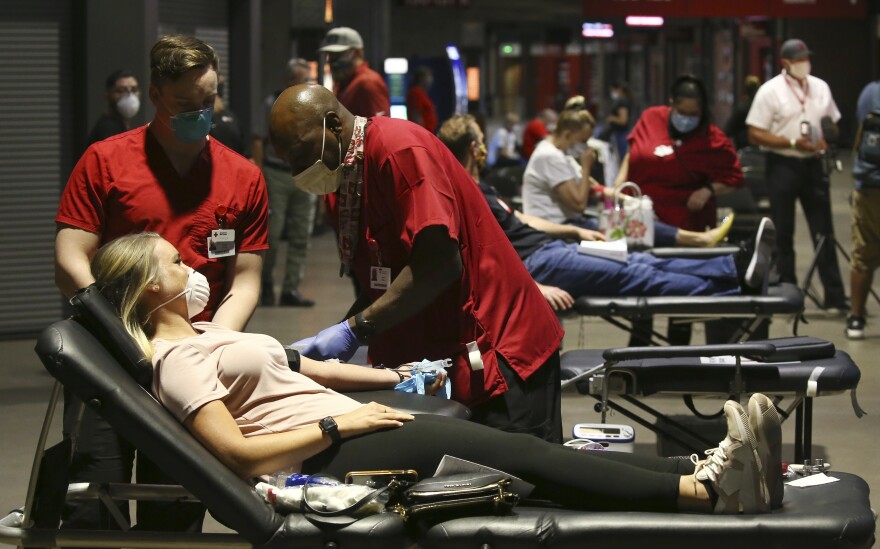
767, 427
855, 327
733, 468
758, 271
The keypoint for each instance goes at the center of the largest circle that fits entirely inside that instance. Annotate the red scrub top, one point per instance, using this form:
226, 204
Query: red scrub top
533, 133
669, 170
126, 184
365, 94
417, 100
412, 181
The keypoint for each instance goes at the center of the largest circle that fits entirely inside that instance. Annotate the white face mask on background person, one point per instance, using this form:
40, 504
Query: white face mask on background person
128, 106
318, 178
197, 291
799, 70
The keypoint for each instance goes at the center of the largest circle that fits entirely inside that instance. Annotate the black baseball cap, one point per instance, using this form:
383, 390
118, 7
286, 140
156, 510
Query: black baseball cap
794, 49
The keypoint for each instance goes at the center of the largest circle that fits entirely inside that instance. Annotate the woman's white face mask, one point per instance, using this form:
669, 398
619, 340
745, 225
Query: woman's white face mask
197, 291
318, 178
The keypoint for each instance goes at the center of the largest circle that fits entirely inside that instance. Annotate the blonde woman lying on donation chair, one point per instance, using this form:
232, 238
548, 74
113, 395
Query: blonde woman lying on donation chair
237, 395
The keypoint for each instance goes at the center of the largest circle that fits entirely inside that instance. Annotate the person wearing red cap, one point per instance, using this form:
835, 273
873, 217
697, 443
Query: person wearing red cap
787, 119
359, 88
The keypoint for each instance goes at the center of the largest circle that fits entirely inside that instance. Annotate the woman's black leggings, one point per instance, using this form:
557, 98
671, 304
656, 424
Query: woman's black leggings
591, 480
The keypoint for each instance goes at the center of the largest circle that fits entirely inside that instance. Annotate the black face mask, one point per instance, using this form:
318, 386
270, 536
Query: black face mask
341, 65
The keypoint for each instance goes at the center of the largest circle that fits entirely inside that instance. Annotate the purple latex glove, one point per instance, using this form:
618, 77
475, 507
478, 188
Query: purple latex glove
337, 341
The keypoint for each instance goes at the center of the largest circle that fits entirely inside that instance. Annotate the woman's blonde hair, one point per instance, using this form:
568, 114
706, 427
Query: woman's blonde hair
573, 120
123, 269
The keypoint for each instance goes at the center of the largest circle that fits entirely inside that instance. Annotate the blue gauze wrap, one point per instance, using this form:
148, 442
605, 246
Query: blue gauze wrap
424, 373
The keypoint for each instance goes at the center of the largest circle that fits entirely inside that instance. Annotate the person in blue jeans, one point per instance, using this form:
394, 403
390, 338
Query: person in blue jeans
552, 261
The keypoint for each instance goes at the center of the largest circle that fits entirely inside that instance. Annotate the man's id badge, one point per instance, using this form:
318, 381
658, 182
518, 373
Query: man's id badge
221, 243
380, 278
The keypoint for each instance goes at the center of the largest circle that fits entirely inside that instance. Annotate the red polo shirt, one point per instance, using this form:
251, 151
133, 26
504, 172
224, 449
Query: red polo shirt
412, 181
533, 133
670, 170
126, 184
417, 100
365, 94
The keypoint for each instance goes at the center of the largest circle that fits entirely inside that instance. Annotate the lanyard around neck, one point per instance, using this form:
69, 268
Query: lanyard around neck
350, 196
801, 100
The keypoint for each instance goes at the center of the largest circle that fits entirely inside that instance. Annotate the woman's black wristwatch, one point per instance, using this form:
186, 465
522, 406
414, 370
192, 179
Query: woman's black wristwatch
328, 425
364, 330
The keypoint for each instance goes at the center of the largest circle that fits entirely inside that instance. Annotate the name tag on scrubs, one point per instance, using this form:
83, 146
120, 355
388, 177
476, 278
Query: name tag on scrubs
380, 278
663, 150
221, 243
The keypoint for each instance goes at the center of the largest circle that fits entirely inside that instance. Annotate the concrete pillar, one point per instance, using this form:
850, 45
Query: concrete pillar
245, 67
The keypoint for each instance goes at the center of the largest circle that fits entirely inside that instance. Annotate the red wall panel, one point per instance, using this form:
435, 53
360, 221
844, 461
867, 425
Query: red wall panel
726, 8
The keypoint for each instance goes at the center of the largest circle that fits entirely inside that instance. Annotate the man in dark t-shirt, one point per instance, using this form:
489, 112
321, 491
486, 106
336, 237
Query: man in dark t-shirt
123, 102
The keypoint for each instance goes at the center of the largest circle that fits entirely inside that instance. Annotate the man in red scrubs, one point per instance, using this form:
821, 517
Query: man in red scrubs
169, 177
361, 89
438, 277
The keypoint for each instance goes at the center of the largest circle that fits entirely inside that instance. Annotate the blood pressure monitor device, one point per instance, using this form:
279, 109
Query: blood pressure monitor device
614, 437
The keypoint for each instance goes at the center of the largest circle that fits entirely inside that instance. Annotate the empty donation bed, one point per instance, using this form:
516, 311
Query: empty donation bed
751, 311
800, 368
836, 515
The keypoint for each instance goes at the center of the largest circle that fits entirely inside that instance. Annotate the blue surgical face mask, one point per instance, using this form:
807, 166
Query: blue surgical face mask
193, 126
683, 122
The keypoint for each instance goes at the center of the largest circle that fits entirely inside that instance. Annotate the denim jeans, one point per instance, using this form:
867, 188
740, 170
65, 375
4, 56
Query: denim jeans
560, 264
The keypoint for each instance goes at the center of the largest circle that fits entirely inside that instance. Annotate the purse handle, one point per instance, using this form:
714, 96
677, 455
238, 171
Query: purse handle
627, 185
351, 509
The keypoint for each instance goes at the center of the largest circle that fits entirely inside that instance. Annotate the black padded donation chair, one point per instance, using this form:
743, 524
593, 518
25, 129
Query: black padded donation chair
838, 515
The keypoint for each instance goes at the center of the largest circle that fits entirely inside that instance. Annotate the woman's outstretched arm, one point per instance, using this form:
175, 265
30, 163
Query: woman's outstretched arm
349, 377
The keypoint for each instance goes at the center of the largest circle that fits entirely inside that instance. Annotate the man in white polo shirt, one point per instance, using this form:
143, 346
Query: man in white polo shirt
786, 120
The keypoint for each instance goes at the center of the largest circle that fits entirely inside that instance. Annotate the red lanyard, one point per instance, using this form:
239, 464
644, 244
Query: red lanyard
803, 100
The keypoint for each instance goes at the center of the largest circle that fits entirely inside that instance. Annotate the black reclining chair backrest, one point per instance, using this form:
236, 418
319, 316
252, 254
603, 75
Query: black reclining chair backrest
85, 367
100, 317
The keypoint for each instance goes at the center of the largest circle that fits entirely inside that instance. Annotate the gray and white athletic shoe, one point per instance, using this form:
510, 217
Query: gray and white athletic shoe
767, 427
733, 469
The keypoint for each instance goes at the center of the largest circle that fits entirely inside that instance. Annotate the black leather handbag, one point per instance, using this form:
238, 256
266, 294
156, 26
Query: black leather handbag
461, 494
